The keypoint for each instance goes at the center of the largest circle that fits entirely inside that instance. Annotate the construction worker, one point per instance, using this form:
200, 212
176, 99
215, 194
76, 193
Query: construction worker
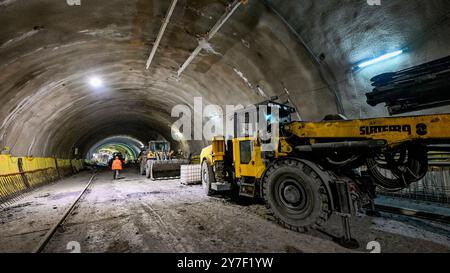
116, 167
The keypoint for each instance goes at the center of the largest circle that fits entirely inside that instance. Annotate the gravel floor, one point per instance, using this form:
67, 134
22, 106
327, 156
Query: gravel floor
138, 215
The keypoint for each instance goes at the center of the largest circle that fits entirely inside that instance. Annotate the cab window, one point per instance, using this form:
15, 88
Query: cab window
245, 151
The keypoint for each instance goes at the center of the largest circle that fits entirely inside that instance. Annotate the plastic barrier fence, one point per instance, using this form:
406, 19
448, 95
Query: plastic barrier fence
64, 167
11, 181
21, 174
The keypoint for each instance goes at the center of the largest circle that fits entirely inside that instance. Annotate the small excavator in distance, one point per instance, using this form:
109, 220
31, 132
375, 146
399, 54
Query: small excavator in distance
320, 168
159, 162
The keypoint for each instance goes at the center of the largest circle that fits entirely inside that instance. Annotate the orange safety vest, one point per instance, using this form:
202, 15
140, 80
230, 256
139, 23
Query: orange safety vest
117, 165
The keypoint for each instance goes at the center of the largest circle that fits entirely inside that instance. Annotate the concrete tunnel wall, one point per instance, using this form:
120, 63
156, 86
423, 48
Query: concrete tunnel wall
341, 33
48, 51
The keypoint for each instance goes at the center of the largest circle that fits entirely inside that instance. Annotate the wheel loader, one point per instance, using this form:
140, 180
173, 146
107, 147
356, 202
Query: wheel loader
159, 162
319, 168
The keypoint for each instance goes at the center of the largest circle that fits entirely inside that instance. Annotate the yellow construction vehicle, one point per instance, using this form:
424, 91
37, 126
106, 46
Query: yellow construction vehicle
159, 162
317, 168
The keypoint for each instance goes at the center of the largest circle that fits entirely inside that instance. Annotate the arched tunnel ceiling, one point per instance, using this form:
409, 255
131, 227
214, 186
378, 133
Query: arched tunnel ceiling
340, 33
49, 51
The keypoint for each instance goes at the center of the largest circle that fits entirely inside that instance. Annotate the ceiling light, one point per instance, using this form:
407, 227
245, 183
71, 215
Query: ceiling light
95, 82
379, 59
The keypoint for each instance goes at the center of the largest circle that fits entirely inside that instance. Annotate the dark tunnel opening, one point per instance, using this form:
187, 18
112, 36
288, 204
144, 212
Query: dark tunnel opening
102, 152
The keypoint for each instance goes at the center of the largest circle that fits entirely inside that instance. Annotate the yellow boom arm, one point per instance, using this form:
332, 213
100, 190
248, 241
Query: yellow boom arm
397, 130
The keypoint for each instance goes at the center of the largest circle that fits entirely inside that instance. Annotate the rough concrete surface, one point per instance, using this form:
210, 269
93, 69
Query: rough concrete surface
49, 51
137, 215
341, 34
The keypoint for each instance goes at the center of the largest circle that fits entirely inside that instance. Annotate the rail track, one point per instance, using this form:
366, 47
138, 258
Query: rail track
414, 213
48, 236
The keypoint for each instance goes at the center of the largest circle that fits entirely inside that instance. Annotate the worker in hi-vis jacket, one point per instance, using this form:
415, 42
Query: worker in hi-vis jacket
116, 167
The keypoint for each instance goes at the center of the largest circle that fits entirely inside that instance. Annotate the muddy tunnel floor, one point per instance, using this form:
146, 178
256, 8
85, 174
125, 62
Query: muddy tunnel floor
138, 215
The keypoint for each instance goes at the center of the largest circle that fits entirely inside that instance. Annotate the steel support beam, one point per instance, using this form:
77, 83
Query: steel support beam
161, 33
230, 10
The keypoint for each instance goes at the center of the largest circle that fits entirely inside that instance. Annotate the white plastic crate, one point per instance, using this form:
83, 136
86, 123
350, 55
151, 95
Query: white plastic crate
191, 174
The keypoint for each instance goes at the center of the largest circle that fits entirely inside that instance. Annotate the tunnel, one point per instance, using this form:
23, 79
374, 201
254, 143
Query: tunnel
129, 147
77, 86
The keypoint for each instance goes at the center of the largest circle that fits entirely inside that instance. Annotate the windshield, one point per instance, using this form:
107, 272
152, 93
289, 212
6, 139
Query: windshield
159, 146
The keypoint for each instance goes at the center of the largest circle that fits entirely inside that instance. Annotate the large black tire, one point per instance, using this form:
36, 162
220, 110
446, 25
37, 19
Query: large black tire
296, 195
207, 178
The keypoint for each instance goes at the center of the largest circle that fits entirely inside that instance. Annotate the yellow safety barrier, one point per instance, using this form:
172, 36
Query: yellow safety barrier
77, 165
38, 171
20, 174
11, 182
64, 167
8, 165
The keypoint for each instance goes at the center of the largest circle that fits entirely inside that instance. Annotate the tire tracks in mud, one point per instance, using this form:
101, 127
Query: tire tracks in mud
140, 210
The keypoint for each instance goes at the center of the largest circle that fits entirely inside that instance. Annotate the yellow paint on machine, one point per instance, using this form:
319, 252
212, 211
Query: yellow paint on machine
252, 165
394, 130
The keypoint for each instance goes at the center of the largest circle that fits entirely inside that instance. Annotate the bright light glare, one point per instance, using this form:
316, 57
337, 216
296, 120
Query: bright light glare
96, 82
380, 59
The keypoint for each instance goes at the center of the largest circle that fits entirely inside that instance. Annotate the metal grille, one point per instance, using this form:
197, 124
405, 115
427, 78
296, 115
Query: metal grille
14, 185
435, 187
11, 187
191, 174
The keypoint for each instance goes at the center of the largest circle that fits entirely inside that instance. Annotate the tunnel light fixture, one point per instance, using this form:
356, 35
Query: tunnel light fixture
379, 59
95, 82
